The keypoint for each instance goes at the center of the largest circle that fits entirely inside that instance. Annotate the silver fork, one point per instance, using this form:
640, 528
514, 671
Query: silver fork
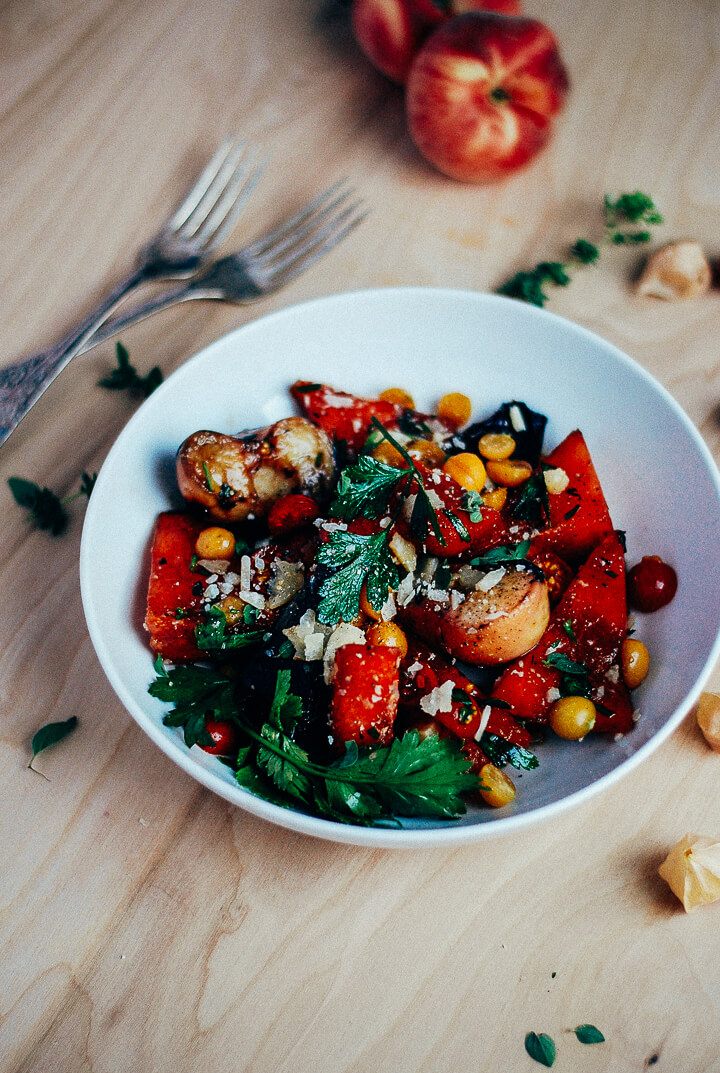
182, 247
263, 266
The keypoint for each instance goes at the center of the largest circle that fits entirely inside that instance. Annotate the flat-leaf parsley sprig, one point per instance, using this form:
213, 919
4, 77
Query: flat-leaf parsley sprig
627, 223
365, 489
410, 777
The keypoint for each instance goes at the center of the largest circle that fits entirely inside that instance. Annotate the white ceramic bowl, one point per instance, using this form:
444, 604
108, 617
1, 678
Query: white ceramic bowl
660, 481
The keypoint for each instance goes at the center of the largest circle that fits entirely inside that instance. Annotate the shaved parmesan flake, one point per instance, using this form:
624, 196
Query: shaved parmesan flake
516, 419
484, 720
438, 699
245, 573
491, 579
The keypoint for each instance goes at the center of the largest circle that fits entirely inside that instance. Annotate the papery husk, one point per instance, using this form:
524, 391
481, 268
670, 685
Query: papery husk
692, 871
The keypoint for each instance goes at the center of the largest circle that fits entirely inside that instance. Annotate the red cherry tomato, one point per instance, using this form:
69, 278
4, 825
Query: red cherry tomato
651, 584
292, 512
226, 740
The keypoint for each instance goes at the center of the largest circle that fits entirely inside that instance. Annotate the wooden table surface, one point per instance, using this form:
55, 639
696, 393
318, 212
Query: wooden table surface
146, 924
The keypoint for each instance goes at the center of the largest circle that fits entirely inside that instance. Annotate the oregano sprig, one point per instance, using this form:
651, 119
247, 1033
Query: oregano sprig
46, 508
125, 377
627, 219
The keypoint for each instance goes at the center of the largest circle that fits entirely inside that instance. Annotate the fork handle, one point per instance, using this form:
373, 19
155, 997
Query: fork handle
22, 383
146, 309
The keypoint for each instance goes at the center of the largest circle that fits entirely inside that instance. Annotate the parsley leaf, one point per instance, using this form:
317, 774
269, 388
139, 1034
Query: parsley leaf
45, 507
410, 777
125, 376
585, 252
196, 693
365, 488
502, 555
212, 635
357, 559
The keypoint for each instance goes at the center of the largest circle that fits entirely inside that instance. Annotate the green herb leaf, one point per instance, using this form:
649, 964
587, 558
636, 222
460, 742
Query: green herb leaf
410, 777
212, 635
426, 511
357, 559
589, 1034
45, 507
533, 503
365, 488
501, 752
125, 376
554, 272
286, 708
585, 252
51, 734
197, 693
472, 503
631, 208
506, 553
87, 483
527, 287
540, 1047
574, 676
284, 761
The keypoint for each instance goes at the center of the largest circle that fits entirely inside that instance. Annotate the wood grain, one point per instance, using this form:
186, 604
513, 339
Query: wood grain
145, 924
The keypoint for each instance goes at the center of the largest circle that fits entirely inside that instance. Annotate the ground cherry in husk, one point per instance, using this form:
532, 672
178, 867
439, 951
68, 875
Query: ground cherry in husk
651, 584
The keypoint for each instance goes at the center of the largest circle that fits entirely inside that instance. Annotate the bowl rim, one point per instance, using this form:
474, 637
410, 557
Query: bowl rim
388, 837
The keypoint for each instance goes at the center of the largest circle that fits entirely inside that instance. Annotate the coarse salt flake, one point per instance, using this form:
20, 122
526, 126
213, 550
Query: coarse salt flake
255, 599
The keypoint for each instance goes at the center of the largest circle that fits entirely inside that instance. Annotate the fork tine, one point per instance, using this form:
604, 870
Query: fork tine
222, 218
288, 227
199, 189
234, 164
310, 227
316, 246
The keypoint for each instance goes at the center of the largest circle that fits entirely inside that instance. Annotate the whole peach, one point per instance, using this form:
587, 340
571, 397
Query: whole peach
482, 93
391, 31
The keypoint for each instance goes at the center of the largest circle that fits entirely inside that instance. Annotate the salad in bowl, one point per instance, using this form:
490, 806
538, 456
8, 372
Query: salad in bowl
405, 619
